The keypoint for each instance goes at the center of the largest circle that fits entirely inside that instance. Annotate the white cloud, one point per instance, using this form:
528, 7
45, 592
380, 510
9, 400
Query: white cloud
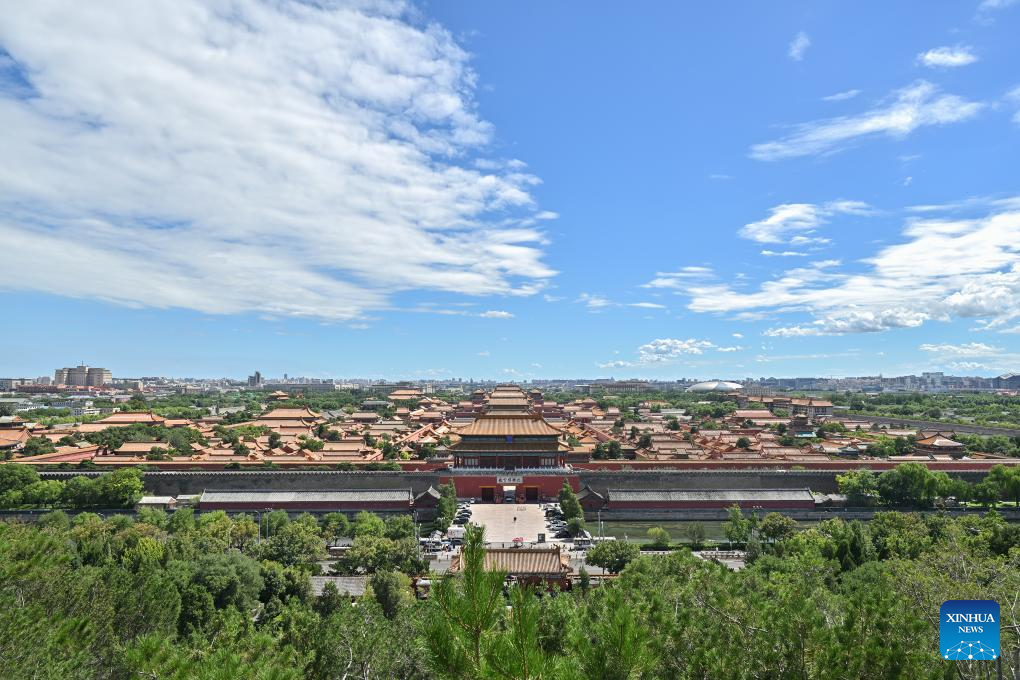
947, 57
967, 366
738, 335
988, 5
647, 305
944, 268
253, 157
788, 219
484, 353
841, 96
785, 253
798, 46
619, 363
1014, 97
967, 349
917, 105
496, 314
678, 279
595, 302
665, 349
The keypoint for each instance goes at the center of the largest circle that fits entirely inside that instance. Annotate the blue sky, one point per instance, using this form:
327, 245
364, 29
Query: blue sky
511, 190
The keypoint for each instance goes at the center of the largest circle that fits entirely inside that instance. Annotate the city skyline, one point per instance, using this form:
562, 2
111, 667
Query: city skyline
717, 195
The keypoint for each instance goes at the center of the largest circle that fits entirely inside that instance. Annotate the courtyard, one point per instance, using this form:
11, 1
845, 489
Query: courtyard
504, 522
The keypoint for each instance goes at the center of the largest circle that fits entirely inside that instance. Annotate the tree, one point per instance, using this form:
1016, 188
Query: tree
369, 554
575, 525
859, 486
333, 525
1007, 481
614, 450
658, 537
44, 493
569, 504
743, 443
14, 477
645, 441
613, 644
368, 524
295, 543
695, 534
908, 484
232, 579
392, 590
516, 652
121, 488
447, 505
36, 446
737, 528
399, 526
613, 556
775, 527
464, 610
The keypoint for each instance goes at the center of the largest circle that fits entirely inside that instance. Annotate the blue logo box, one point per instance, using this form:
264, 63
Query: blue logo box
969, 630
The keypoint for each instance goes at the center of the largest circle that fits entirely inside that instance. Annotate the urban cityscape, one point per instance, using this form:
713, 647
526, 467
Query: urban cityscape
395, 340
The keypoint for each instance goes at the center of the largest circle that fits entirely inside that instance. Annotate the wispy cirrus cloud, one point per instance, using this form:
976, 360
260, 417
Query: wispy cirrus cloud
967, 349
783, 253
947, 57
597, 303
841, 96
800, 219
678, 279
261, 157
798, 46
496, 314
917, 105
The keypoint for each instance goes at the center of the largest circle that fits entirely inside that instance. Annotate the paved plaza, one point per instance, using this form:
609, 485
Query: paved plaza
500, 525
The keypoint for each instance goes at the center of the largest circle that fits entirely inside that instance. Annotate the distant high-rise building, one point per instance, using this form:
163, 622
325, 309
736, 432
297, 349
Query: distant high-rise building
255, 380
78, 376
97, 377
62, 376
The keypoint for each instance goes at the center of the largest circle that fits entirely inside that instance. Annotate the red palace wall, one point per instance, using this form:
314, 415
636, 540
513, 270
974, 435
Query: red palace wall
714, 505
392, 506
548, 485
832, 465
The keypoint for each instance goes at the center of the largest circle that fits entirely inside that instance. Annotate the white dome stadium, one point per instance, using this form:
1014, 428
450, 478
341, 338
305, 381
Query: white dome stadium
715, 386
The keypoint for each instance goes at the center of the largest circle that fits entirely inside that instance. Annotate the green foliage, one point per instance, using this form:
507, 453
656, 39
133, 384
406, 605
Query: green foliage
368, 524
737, 528
860, 486
447, 506
569, 504
369, 554
658, 538
20, 486
112, 598
399, 526
392, 590
464, 611
613, 556
333, 525
38, 445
